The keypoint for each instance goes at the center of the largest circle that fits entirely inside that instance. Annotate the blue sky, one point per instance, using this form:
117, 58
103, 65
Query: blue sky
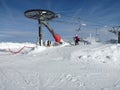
93, 14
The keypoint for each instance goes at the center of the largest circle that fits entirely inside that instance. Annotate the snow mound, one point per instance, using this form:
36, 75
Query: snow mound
6, 45
104, 54
25, 48
37, 49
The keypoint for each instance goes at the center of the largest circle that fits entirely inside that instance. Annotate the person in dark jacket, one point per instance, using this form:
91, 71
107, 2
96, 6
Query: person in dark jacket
76, 39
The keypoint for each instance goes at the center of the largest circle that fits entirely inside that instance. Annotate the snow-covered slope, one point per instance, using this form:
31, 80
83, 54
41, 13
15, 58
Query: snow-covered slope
83, 67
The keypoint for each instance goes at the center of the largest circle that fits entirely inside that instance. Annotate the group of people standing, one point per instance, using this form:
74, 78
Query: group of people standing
47, 43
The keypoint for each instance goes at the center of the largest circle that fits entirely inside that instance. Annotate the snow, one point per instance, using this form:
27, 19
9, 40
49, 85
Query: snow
102, 53
84, 67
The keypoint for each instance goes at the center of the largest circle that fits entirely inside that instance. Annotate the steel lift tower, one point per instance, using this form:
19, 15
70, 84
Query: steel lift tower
43, 16
116, 31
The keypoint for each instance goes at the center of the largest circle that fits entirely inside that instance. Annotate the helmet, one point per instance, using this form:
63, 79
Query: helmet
76, 35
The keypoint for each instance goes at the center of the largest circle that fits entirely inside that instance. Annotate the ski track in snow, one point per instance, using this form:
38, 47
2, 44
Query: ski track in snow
83, 67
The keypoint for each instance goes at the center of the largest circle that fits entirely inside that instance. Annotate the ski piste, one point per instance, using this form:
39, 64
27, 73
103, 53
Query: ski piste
60, 67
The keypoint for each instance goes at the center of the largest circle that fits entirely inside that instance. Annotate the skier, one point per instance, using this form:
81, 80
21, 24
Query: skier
76, 39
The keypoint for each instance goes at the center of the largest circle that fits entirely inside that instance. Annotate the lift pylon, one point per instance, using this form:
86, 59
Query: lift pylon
43, 16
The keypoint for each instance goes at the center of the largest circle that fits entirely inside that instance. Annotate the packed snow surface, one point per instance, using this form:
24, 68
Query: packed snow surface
25, 66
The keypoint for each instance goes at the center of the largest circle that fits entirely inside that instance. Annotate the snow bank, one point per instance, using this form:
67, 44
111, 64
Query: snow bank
37, 49
103, 53
6, 45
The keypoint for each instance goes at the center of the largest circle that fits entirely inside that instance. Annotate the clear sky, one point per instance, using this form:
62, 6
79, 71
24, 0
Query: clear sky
93, 14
